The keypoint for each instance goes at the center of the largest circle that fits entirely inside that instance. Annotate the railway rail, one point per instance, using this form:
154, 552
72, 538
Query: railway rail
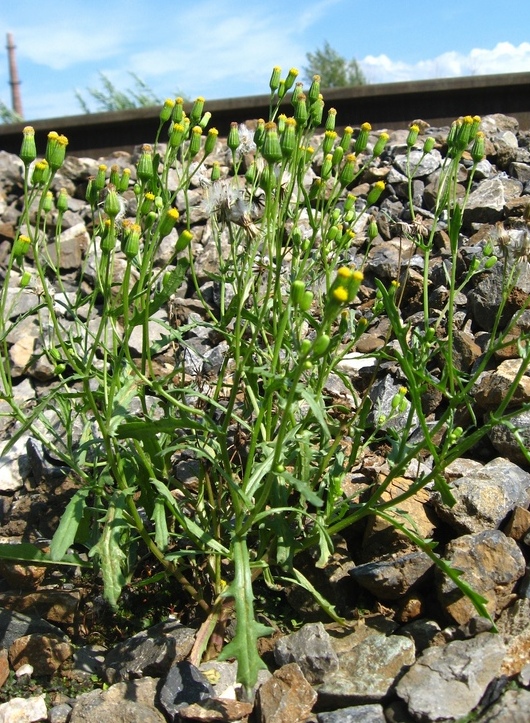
388, 105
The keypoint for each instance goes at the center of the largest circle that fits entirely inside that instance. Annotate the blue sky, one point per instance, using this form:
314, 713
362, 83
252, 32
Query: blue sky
222, 48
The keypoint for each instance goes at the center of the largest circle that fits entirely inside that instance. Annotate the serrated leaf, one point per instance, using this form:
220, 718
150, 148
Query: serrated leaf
243, 646
109, 551
71, 519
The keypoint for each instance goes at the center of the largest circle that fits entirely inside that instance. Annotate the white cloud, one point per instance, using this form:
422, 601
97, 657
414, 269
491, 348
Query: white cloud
503, 58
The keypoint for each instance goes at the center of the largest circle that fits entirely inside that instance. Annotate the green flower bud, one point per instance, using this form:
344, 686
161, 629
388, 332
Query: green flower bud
362, 139
372, 229
112, 204
114, 177
183, 241
327, 166
167, 222
55, 150
428, 144
297, 291
375, 192
147, 203
144, 167
281, 89
345, 141
333, 232
195, 141
281, 123
288, 138
306, 301
28, 150
477, 120
349, 203
274, 82
62, 201
205, 119
178, 110
216, 172
337, 156
291, 77
317, 111
464, 133
259, 133
47, 202
272, 151
21, 246
41, 172
196, 110
233, 139
167, 110
413, 135
176, 135
211, 140
321, 345
25, 280
380, 144
305, 347
330, 120
489, 263
301, 113
347, 173
131, 241
108, 237
92, 193
314, 90
478, 150
328, 142
100, 179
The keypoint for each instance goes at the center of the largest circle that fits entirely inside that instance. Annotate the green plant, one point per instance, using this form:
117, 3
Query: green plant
110, 98
335, 71
272, 448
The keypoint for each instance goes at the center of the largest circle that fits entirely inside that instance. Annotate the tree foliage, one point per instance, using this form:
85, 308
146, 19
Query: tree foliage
334, 69
110, 98
7, 115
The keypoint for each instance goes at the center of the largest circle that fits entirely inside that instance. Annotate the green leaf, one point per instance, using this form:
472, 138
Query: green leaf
303, 488
27, 552
172, 282
109, 550
243, 646
71, 519
143, 430
206, 540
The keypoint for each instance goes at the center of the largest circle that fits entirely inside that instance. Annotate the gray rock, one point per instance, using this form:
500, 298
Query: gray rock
311, 648
512, 707
285, 696
491, 563
485, 496
447, 682
15, 625
421, 165
391, 579
151, 652
505, 442
60, 713
24, 709
183, 685
127, 702
368, 671
486, 202
371, 713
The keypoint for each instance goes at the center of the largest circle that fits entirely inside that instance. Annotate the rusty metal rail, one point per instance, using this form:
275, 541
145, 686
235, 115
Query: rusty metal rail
389, 105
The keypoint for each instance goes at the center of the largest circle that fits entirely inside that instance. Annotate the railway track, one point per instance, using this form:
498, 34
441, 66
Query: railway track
389, 105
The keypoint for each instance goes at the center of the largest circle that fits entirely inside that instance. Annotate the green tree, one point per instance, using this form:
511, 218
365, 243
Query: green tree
109, 98
334, 69
7, 115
